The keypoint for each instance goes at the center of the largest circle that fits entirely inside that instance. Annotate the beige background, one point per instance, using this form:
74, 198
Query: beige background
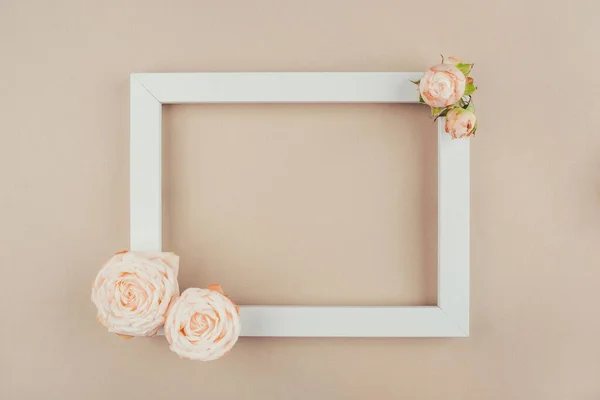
303, 204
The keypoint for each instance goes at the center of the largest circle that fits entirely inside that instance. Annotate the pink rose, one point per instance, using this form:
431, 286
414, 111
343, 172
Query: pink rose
133, 292
203, 324
442, 85
460, 123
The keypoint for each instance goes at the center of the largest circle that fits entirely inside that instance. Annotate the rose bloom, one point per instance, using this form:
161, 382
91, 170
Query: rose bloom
460, 123
203, 324
133, 292
442, 85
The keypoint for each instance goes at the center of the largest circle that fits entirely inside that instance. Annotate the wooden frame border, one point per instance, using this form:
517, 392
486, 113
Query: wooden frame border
450, 318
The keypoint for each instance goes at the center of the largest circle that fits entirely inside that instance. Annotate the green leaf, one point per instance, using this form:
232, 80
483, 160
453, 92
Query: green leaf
470, 107
421, 99
416, 82
470, 88
440, 112
436, 110
464, 68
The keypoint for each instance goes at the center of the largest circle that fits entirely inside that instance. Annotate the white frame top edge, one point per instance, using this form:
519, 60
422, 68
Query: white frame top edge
281, 87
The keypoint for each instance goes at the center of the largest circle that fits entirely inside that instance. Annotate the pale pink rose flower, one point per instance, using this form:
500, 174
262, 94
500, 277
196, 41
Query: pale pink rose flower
134, 290
460, 123
442, 85
203, 324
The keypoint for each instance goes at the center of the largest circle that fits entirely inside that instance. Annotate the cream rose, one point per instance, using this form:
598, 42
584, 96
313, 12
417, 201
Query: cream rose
460, 123
442, 85
203, 324
133, 292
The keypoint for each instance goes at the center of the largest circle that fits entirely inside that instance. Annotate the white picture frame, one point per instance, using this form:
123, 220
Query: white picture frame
449, 318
